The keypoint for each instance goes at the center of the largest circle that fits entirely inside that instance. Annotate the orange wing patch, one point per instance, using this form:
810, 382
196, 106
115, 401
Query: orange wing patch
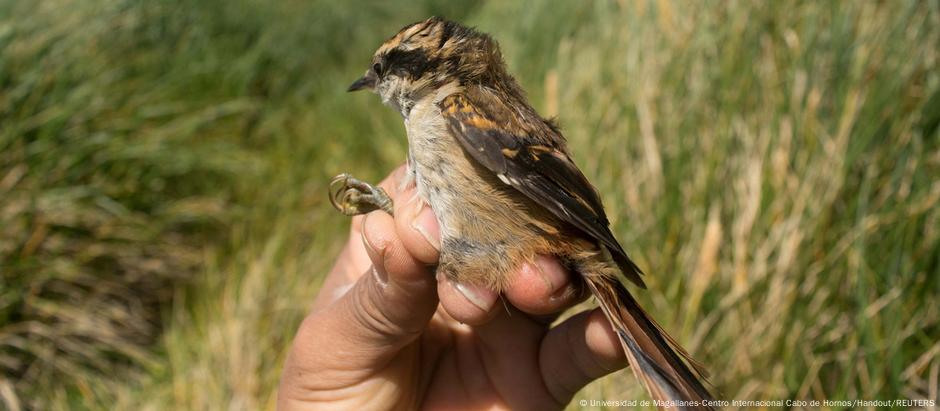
457, 104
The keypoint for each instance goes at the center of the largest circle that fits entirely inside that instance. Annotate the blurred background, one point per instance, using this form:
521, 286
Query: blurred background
164, 223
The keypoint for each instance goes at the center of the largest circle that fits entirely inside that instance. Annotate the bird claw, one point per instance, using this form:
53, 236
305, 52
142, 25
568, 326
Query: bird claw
353, 197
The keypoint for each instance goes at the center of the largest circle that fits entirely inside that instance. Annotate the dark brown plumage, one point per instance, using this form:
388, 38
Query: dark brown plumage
504, 188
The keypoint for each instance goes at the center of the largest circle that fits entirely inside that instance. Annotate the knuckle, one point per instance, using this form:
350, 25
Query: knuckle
381, 321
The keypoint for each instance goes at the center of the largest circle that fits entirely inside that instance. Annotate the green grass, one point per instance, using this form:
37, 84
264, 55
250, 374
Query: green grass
775, 167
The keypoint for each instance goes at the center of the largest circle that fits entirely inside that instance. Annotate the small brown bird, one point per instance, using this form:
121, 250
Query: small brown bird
504, 188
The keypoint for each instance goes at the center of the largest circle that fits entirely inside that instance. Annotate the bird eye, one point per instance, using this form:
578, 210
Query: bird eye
377, 68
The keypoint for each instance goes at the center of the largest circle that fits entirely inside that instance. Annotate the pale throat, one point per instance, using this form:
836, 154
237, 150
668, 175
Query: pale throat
403, 95
397, 94
431, 154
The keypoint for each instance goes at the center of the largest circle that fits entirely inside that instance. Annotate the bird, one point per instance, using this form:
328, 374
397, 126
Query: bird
504, 189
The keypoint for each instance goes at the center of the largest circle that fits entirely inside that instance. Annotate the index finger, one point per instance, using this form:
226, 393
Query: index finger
544, 286
353, 260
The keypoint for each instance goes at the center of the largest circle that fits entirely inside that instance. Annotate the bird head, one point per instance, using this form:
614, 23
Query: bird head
427, 55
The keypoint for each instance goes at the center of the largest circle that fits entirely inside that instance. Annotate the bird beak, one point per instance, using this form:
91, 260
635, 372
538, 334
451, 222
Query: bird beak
367, 81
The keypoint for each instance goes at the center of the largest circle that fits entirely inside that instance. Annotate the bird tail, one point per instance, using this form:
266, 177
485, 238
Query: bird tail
656, 359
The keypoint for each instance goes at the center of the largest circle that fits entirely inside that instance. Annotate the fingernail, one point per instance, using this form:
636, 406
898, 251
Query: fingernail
425, 223
380, 276
482, 298
564, 293
555, 277
365, 239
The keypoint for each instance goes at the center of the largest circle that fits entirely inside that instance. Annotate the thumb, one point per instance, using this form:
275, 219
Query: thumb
392, 304
385, 310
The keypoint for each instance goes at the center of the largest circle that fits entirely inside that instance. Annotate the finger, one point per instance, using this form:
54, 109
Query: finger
466, 303
342, 276
393, 181
386, 309
578, 351
417, 226
389, 184
543, 287
509, 347
351, 263
396, 301
353, 260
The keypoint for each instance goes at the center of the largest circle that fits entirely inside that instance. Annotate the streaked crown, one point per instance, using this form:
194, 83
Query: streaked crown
431, 53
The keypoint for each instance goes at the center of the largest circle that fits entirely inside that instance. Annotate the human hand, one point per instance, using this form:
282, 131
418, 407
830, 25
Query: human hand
384, 333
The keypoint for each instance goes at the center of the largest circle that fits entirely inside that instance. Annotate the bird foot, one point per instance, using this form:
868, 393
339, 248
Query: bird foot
353, 197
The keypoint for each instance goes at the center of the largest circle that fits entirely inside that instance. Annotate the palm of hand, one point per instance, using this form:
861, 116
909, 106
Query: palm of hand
396, 337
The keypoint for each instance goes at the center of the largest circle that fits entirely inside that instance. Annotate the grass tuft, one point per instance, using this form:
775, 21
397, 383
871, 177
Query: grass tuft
775, 167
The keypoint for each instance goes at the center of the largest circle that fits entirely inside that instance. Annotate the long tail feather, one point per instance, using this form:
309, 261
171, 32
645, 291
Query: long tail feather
655, 358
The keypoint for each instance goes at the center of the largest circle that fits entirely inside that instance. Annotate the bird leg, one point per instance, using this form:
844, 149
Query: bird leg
353, 197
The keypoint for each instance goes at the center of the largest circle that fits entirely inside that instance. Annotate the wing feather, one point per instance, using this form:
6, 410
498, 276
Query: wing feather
526, 160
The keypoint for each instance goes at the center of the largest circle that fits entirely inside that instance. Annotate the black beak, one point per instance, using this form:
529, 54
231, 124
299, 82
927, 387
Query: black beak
367, 81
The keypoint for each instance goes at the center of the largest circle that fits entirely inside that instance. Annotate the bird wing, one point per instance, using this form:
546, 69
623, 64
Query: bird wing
532, 161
